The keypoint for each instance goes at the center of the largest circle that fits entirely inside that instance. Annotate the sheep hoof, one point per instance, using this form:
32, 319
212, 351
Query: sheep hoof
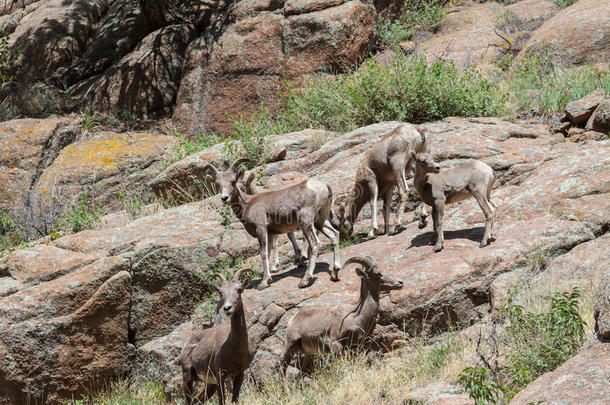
306, 282
483, 244
274, 270
372, 233
334, 276
438, 248
263, 284
300, 261
422, 224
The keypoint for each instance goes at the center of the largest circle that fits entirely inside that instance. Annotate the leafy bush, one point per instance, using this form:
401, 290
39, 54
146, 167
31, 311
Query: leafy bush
424, 15
80, 216
529, 345
480, 386
565, 3
408, 90
541, 342
132, 203
9, 236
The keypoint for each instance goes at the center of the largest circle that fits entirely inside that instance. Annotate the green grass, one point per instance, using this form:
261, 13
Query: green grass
535, 83
80, 216
9, 235
422, 15
564, 3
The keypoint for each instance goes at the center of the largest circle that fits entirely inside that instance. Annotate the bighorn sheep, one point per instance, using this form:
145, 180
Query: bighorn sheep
251, 188
437, 187
315, 330
381, 168
213, 355
306, 205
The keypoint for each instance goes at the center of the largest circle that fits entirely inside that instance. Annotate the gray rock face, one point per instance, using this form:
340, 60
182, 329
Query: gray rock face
602, 306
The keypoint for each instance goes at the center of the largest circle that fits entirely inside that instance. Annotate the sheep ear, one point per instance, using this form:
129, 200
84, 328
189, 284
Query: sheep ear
361, 273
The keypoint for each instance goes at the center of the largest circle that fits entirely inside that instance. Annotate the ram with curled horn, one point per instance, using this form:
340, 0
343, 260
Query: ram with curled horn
213, 355
316, 329
265, 215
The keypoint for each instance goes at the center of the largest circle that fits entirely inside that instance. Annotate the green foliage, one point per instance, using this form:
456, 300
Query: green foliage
9, 236
480, 386
89, 120
537, 84
189, 145
125, 392
540, 342
132, 203
565, 3
423, 15
80, 216
8, 60
408, 90
248, 137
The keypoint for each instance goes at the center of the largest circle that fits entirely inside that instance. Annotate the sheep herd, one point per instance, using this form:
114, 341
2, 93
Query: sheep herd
213, 355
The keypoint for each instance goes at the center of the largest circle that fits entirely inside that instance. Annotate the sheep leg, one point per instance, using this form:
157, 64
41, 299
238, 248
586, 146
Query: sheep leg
263, 240
438, 211
398, 169
422, 212
208, 392
272, 252
237, 382
311, 237
387, 201
332, 234
489, 214
374, 195
299, 258
291, 349
188, 388
336, 348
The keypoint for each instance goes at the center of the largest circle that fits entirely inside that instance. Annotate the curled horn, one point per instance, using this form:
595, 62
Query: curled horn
367, 262
235, 165
211, 167
220, 276
239, 272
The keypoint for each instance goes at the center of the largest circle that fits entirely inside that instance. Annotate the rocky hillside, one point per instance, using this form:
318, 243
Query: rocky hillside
102, 302
102, 92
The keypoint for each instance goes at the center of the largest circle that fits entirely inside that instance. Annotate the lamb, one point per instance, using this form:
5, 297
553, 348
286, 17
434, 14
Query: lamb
316, 330
437, 187
251, 188
213, 355
381, 168
306, 205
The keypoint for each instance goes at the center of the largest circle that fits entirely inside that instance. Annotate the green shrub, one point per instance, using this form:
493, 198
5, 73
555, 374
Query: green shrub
408, 90
248, 137
480, 387
9, 236
424, 15
8, 60
540, 342
80, 216
537, 84
565, 3
189, 145
89, 119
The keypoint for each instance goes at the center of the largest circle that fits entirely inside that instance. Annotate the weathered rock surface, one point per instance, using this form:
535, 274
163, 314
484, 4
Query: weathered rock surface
551, 195
576, 35
467, 36
600, 119
579, 111
602, 305
580, 380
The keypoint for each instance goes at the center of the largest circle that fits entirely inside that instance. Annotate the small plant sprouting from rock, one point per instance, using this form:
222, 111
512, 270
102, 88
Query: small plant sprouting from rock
80, 216
132, 203
8, 60
9, 235
189, 145
89, 120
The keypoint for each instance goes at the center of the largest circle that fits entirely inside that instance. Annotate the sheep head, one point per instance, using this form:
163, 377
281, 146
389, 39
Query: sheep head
231, 290
371, 274
227, 180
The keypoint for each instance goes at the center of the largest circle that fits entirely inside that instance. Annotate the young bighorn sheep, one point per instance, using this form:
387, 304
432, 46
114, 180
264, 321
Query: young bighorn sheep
316, 330
437, 187
213, 355
381, 168
306, 205
251, 188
